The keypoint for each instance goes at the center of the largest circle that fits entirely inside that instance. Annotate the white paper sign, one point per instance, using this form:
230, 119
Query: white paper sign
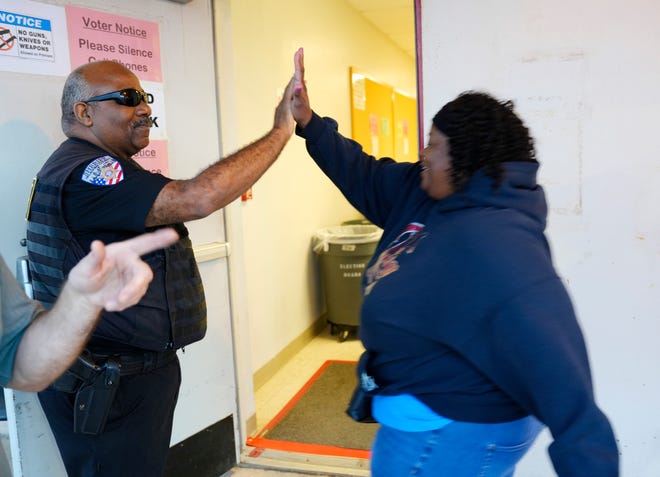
33, 38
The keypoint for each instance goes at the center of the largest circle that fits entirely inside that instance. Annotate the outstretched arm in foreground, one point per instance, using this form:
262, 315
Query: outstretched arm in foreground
111, 277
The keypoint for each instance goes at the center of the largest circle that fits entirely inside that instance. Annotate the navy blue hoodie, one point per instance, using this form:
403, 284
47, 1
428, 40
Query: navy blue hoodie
463, 307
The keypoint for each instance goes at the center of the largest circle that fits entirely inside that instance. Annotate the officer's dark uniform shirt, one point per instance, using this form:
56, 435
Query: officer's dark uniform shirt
109, 212
82, 194
109, 209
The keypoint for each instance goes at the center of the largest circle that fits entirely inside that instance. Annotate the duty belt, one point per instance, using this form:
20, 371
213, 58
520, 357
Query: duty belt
89, 365
94, 378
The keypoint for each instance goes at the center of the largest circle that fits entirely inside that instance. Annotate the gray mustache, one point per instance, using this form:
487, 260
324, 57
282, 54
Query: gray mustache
144, 122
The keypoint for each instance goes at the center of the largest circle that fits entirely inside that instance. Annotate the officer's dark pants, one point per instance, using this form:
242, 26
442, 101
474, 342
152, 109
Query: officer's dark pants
137, 434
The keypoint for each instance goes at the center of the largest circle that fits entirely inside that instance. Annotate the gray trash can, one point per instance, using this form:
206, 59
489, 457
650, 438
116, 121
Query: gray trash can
344, 252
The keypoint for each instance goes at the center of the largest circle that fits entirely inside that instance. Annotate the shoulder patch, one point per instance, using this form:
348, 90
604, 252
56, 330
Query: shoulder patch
103, 171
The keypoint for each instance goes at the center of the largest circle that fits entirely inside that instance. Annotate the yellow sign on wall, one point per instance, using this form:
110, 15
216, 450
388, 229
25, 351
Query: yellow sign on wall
405, 127
384, 121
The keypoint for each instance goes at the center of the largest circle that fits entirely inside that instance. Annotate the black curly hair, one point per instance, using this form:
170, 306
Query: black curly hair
483, 133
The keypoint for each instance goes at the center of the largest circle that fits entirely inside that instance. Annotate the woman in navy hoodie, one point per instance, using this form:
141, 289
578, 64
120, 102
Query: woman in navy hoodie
472, 344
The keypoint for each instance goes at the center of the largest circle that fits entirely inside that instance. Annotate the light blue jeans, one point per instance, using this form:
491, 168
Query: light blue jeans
460, 449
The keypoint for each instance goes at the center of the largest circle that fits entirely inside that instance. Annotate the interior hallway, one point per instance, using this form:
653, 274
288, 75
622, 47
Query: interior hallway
275, 393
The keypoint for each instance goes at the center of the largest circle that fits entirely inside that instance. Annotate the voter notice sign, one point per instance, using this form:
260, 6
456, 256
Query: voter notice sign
95, 35
33, 38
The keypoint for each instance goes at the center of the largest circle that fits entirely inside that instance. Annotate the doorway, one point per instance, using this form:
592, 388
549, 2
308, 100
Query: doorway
275, 290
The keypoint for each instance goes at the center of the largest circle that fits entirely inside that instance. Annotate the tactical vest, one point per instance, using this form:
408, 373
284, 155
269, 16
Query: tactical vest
172, 313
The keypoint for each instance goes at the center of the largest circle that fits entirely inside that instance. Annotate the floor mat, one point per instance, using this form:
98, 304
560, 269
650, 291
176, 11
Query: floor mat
314, 421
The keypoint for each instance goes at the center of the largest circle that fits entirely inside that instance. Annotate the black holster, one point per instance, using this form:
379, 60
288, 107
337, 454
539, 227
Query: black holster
94, 399
94, 379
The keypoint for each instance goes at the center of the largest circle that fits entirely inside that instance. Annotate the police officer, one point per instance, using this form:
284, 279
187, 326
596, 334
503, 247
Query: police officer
91, 188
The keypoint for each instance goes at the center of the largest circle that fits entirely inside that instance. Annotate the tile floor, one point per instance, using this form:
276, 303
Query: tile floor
244, 472
239, 472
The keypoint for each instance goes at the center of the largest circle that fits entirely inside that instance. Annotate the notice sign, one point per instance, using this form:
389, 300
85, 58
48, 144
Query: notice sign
33, 38
96, 36
26, 37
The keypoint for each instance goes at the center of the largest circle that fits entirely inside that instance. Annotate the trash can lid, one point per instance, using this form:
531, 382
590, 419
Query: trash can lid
342, 234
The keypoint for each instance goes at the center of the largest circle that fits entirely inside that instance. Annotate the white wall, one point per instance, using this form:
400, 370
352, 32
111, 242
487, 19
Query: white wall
294, 199
585, 77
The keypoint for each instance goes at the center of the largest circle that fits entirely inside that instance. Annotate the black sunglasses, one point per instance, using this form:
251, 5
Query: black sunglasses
126, 97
